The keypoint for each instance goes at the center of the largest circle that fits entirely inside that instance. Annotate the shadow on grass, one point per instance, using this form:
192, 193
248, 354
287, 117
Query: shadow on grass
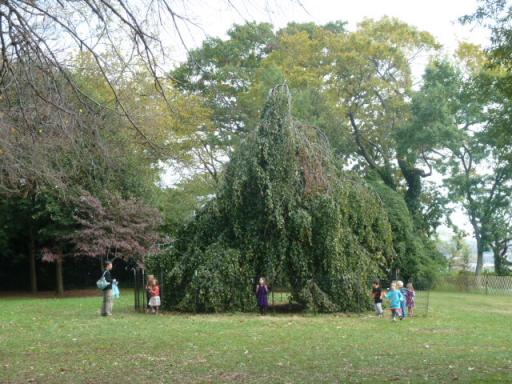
50, 294
286, 308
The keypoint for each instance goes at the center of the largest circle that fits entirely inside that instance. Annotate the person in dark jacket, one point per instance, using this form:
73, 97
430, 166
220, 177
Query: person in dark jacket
262, 295
108, 297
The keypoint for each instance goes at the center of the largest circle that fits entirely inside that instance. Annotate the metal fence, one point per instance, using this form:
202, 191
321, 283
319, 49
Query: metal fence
280, 299
483, 284
141, 298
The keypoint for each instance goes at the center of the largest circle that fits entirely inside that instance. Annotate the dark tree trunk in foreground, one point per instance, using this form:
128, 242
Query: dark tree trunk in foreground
32, 259
59, 278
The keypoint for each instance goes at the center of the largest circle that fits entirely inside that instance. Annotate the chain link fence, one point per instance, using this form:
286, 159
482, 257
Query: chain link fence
280, 297
281, 300
140, 280
483, 284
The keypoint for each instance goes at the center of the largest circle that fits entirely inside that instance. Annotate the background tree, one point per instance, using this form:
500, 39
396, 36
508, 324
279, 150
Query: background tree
127, 229
36, 33
334, 74
479, 176
500, 240
458, 252
48, 170
220, 71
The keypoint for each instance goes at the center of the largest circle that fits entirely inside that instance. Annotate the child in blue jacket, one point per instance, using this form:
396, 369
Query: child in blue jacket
395, 298
403, 304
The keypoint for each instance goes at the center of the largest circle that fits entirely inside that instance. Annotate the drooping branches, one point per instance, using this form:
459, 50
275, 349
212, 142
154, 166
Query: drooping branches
285, 211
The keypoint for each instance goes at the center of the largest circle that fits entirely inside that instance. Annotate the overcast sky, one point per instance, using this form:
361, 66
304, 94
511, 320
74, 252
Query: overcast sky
439, 17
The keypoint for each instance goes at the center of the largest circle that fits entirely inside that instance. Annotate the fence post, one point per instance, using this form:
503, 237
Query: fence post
161, 282
486, 285
428, 301
135, 290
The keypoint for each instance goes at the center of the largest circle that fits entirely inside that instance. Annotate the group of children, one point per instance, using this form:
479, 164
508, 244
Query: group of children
402, 300
153, 294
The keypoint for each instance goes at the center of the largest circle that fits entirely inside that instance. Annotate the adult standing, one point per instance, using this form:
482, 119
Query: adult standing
108, 297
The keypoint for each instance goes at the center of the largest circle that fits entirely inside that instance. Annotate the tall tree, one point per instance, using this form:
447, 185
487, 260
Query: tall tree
48, 158
479, 175
220, 71
496, 16
357, 88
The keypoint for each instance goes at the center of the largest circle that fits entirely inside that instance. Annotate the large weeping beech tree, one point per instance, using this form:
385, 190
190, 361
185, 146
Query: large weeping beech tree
283, 210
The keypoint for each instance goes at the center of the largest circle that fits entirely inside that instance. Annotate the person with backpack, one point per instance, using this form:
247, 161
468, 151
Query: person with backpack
108, 297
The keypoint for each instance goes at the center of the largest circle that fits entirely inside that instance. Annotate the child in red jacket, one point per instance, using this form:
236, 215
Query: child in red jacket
154, 301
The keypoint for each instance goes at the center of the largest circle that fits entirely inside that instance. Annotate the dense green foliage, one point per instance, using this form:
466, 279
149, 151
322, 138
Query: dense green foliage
296, 204
375, 122
417, 258
283, 211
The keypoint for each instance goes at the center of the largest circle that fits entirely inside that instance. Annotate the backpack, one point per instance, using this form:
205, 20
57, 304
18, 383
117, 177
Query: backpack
115, 290
102, 283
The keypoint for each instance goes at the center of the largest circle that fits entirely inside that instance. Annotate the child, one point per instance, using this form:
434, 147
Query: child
377, 298
154, 301
395, 298
410, 299
261, 295
148, 290
403, 291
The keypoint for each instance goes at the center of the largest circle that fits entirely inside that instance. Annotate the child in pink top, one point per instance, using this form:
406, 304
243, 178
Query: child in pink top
410, 300
154, 301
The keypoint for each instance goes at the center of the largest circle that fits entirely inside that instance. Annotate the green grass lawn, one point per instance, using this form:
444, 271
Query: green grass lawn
466, 338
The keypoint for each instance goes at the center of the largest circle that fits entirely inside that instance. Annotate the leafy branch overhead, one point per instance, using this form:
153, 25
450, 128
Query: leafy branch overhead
124, 228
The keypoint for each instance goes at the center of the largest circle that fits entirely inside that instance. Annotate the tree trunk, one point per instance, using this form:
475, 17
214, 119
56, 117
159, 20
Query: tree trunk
32, 259
59, 277
413, 179
479, 256
478, 232
501, 264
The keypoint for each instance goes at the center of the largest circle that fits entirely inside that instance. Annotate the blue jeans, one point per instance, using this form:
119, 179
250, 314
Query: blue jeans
404, 309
